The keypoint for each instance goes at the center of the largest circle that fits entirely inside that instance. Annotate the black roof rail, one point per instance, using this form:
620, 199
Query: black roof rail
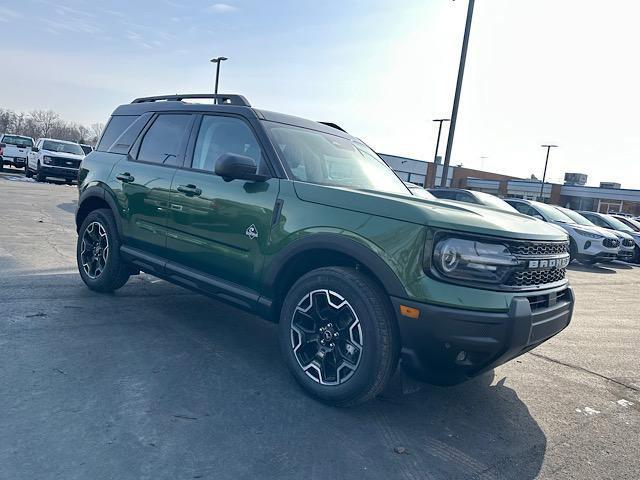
334, 125
231, 99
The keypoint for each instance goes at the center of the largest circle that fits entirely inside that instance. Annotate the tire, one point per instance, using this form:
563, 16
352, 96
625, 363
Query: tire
573, 250
361, 328
105, 272
27, 172
40, 177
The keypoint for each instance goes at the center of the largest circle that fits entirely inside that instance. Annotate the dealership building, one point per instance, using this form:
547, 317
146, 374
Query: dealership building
574, 193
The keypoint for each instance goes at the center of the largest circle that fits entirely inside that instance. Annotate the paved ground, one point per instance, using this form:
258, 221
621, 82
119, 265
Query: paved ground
155, 382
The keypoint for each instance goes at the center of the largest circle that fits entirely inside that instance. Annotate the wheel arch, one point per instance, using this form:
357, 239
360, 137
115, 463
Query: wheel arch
92, 198
323, 250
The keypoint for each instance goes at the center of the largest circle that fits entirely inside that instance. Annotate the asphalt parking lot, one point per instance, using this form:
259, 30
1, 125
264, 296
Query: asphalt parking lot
155, 382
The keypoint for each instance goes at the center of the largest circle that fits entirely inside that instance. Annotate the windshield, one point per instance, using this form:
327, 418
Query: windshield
576, 217
22, 142
318, 157
62, 147
494, 202
634, 224
552, 213
617, 224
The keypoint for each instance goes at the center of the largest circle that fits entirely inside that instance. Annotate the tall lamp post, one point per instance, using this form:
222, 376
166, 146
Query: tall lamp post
435, 156
544, 175
456, 98
218, 61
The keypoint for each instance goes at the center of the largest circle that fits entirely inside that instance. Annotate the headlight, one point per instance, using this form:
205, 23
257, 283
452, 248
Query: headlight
472, 260
584, 233
47, 160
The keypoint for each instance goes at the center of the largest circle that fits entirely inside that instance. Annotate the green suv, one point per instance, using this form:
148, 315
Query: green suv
304, 225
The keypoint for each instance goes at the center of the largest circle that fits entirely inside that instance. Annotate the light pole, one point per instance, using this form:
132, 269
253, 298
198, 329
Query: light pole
456, 98
435, 156
218, 61
544, 175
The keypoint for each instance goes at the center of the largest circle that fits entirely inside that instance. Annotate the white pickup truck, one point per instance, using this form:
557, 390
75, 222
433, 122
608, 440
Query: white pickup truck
14, 150
54, 158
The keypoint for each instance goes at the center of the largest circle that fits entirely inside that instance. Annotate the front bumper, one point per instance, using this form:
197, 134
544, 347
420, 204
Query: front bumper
59, 172
626, 255
464, 343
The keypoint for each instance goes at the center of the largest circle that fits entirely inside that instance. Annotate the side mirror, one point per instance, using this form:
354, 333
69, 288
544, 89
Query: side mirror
2, 145
539, 217
231, 166
35, 149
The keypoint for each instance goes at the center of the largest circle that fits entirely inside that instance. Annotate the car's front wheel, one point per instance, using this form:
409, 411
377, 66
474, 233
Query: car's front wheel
338, 335
27, 172
98, 253
40, 176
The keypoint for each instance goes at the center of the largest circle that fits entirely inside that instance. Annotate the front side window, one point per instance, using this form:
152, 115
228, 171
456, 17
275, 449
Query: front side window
219, 135
161, 144
325, 159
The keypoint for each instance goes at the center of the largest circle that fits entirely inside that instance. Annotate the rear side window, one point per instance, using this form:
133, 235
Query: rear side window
116, 126
164, 141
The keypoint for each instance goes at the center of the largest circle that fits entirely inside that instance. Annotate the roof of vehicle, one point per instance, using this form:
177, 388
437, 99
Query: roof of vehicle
59, 141
17, 136
231, 104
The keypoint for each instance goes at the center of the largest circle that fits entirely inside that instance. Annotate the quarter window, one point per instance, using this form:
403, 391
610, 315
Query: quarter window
161, 144
219, 135
116, 127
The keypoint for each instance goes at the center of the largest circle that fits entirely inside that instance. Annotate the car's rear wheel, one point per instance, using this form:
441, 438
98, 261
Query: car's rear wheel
338, 335
98, 253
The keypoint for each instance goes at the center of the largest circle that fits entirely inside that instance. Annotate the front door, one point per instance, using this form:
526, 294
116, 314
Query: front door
143, 181
216, 227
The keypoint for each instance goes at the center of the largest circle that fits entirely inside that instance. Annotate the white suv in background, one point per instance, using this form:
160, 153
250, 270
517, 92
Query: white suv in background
586, 244
54, 158
627, 246
613, 224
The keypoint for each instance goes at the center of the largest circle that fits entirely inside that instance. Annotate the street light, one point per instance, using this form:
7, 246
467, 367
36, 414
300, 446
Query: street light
218, 61
544, 175
456, 97
435, 156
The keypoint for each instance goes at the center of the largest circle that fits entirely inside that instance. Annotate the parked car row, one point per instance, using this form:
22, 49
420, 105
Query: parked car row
593, 237
47, 157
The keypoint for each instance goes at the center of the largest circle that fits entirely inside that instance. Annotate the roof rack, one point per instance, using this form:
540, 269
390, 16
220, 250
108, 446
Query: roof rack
334, 125
221, 99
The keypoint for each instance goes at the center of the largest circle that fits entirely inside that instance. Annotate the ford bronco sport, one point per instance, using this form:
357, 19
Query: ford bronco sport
304, 225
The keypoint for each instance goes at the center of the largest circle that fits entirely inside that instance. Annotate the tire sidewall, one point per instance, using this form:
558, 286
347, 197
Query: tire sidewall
365, 374
105, 218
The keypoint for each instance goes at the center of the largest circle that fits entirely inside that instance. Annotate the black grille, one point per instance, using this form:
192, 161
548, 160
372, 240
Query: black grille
543, 301
611, 242
65, 162
536, 277
628, 242
538, 249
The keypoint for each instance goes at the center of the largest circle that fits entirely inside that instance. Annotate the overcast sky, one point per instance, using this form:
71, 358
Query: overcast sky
540, 71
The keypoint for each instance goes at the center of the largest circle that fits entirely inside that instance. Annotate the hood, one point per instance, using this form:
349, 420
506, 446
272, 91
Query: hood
433, 213
621, 235
71, 156
595, 229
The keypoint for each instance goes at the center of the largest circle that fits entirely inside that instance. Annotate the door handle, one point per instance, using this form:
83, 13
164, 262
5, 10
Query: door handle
125, 177
189, 190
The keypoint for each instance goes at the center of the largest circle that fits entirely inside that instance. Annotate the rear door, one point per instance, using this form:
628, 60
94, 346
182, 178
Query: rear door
144, 181
216, 227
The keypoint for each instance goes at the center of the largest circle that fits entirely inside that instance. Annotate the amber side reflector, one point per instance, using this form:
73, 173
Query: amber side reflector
409, 312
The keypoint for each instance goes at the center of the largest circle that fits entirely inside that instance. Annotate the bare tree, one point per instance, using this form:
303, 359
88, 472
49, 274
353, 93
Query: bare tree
46, 121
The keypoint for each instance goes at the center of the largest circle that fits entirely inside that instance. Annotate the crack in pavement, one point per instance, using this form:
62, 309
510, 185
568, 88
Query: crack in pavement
585, 370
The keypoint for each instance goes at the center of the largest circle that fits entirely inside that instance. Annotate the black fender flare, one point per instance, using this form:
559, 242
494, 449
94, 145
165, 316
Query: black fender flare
341, 244
99, 191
